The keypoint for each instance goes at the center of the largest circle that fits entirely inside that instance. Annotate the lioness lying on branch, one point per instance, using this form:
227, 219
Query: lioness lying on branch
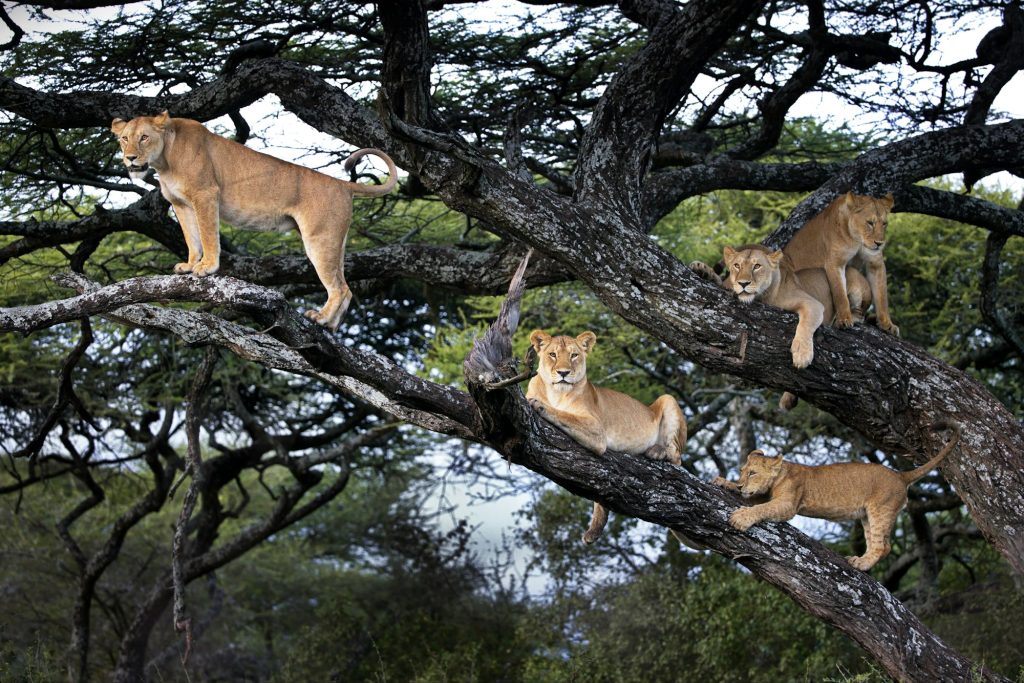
208, 178
598, 418
871, 493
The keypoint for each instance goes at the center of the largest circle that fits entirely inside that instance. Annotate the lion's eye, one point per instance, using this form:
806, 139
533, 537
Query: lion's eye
574, 356
756, 266
143, 138
552, 355
125, 138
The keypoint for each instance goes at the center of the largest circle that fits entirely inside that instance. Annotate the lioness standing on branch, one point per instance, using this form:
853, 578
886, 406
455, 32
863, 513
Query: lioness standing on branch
872, 493
598, 418
208, 178
850, 231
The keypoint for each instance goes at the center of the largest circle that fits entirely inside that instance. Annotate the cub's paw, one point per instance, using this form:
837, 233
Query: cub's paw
590, 535
803, 352
860, 562
720, 481
742, 519
843, 321
183, 268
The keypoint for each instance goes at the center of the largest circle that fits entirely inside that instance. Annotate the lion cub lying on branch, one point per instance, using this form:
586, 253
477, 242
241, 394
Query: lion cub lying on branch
871, 493
598, 418
208, 178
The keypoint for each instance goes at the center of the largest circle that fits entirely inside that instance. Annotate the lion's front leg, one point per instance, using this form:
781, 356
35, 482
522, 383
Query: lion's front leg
206, 208
775, 511
190, 229
880, 293
585, 430
836, 275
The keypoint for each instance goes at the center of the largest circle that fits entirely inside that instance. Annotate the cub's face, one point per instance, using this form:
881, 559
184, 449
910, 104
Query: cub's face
142, 141
758, 474
751, 271
868, 220
563, 360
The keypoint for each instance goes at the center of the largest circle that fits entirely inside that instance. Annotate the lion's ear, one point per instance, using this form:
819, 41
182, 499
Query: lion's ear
539, 339
117, 125
587, 341
775, 257
888, 201
161, 119
727, 253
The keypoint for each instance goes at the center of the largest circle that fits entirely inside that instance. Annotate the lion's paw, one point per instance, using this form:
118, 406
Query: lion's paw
860, 562
742, 519
183, 268
843, 321
204, 268
803, 352
890, 327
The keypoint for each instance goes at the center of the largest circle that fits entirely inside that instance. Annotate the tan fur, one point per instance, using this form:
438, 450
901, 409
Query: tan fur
208, 178
598, 418
871, 493
850, 231
759, 273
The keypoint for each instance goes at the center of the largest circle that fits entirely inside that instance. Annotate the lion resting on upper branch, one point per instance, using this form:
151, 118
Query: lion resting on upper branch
208, 178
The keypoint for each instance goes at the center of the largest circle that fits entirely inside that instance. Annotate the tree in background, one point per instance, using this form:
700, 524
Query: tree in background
600, 135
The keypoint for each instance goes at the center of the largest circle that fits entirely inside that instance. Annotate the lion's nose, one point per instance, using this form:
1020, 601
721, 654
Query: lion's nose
563, 373
878, 245
744, 283
132, 157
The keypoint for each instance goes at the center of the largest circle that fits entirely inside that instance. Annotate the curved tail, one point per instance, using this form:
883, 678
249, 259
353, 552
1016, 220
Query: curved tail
915, 474
371, 190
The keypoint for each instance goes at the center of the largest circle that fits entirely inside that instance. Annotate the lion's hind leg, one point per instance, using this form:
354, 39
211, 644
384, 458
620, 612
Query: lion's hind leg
324, 243
878, 525
598, 520
671, 430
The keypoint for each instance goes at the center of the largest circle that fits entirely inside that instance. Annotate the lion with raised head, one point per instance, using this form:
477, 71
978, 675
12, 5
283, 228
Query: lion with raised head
850, 231
599, 418
208, 178
872, 493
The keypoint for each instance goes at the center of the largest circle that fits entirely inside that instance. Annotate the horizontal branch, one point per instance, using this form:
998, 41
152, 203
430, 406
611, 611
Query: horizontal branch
291, 343
882, 170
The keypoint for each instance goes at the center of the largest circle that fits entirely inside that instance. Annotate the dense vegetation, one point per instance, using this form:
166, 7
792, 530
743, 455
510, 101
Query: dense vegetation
327, 543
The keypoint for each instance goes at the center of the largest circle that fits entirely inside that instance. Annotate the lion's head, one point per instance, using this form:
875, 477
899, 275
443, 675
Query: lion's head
752, 270
563, 360
142, 141
867, 219
758, 474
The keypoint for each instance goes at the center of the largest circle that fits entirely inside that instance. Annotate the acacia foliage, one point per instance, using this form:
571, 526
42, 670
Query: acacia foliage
574, 134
